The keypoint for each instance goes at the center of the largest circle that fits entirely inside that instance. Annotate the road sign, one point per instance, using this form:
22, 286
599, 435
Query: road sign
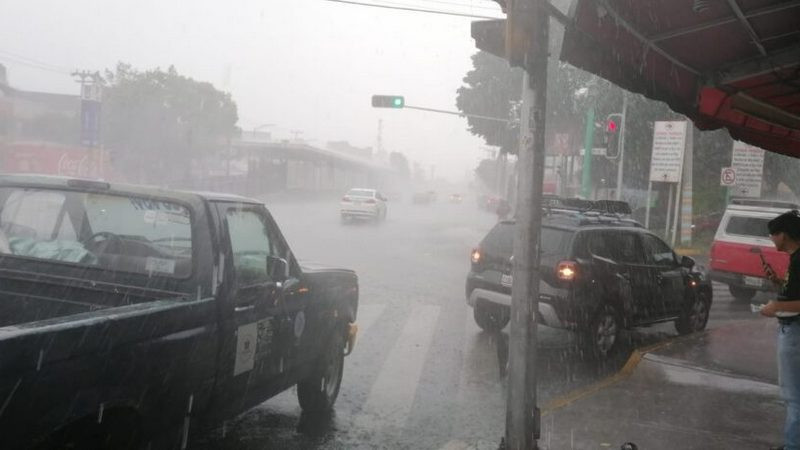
727, 177
748, 161
669, 143
596, 151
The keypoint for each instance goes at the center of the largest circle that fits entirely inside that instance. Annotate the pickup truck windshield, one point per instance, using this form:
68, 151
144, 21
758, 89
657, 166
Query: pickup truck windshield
115, 232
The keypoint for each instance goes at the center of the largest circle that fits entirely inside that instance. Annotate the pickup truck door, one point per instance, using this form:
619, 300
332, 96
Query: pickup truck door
251, 360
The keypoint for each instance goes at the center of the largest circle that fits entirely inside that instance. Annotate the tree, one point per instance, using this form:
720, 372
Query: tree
486, 173
158, 121
399, 163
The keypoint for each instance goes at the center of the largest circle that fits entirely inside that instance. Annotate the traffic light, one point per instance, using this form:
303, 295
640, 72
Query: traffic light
612, 139
388, 101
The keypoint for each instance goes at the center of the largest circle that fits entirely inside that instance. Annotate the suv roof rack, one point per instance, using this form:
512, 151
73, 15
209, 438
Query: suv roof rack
577, 204
743, 201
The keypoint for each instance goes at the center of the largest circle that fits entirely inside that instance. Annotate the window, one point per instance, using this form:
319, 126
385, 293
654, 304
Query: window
658, 252
748, 226
627, 247
367, 193
500, 241
250, 244
113, 232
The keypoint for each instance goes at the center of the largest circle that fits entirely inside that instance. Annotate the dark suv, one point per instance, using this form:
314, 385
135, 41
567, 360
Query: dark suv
600, 273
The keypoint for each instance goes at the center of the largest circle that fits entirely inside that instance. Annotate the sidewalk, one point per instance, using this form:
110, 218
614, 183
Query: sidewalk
715, 390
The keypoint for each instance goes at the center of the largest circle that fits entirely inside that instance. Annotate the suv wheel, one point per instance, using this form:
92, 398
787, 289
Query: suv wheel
600, 338
318, 392
491, 317
695, 316
742, 293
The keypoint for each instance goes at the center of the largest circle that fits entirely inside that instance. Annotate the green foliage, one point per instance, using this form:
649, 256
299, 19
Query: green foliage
162, 116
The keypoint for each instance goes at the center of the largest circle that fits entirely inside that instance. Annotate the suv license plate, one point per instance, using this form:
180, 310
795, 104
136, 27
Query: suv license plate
753, 281
507, 280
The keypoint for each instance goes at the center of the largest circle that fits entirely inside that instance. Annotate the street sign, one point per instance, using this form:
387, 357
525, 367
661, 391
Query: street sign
727, 177
748, 161
596, 151
669, 143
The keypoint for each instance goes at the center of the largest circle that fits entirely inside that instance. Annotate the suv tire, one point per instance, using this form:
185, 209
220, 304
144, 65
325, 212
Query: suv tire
491, 317
695, 316
319, 391
602, 335
742, 293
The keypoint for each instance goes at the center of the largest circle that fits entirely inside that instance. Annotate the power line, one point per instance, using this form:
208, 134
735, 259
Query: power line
402, 8
30, 62
461, 5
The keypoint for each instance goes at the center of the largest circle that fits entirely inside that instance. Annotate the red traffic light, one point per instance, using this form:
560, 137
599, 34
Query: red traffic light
611, 126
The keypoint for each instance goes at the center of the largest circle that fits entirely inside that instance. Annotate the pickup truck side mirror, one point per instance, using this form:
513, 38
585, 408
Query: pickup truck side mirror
687, 262
277, 269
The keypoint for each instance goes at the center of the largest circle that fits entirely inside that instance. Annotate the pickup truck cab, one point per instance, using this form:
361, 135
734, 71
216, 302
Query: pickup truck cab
132, 316
740, 238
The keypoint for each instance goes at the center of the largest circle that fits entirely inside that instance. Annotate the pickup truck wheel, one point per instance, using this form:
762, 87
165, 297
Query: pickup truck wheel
318, 392
491, 317
601, 336
695, 316
742, 293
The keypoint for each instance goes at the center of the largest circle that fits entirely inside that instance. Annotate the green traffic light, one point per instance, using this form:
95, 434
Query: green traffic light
388, 101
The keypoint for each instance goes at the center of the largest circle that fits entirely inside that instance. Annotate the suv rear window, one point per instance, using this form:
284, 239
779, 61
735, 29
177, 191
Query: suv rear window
747, 226
500, 241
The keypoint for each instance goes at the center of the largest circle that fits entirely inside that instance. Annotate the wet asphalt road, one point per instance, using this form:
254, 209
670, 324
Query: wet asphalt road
423, 375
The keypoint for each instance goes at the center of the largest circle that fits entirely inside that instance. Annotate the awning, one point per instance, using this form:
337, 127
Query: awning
722, 63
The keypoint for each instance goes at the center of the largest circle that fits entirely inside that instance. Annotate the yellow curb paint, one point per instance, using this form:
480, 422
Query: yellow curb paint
578, 394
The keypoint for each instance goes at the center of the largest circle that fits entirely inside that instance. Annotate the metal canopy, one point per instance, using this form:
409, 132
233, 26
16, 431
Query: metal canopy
722, 63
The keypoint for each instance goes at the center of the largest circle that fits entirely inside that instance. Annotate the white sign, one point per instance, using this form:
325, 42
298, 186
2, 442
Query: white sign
727, 177
669, 143
748, 161
596, 151
246, 339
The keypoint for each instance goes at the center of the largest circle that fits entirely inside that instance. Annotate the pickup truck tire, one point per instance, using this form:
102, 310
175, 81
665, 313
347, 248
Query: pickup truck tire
742, 293
601, 337
318, 392
695, 316
490, 317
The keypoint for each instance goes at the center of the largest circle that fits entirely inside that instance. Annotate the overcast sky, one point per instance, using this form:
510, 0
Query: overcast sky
308, 65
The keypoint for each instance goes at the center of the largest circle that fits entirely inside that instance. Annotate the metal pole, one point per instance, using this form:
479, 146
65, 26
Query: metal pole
621, 145
669, 211
522, 415
588, 143
647, 205
676, 215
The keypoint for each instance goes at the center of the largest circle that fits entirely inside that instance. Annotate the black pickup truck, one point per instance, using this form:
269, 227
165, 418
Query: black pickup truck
132, 316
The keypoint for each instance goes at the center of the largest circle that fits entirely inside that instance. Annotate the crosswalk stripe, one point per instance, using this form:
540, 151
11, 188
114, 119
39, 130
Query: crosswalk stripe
392, 395
367, 316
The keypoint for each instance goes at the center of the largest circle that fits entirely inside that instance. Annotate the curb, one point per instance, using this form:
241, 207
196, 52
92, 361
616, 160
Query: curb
636, 357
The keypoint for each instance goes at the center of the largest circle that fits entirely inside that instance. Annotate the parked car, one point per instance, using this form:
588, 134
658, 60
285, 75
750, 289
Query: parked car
741, 236
363, 203
130, 314
456, 198
600, 273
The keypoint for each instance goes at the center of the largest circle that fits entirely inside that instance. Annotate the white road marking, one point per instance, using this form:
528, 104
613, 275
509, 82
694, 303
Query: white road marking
367, 316
392, 395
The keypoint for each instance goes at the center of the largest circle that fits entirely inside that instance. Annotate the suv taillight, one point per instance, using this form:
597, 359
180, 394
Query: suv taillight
476, 256
567, 270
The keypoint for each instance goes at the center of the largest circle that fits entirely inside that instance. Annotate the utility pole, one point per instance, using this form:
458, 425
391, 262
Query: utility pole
91, 103
523, 39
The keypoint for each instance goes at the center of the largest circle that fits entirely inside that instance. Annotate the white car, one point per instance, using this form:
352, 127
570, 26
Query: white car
363, 204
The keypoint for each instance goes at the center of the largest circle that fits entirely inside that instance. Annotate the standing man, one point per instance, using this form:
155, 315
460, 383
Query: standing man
784, 231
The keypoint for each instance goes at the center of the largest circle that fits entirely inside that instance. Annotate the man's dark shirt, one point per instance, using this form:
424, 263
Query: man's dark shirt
791, 290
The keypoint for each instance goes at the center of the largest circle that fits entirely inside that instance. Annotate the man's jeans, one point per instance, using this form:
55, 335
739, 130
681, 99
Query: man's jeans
789, 376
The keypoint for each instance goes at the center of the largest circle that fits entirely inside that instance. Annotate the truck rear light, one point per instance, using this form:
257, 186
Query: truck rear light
567, 270
476, 256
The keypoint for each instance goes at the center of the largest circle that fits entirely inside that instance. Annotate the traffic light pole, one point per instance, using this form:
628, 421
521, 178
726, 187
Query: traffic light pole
621, 145
522, 414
